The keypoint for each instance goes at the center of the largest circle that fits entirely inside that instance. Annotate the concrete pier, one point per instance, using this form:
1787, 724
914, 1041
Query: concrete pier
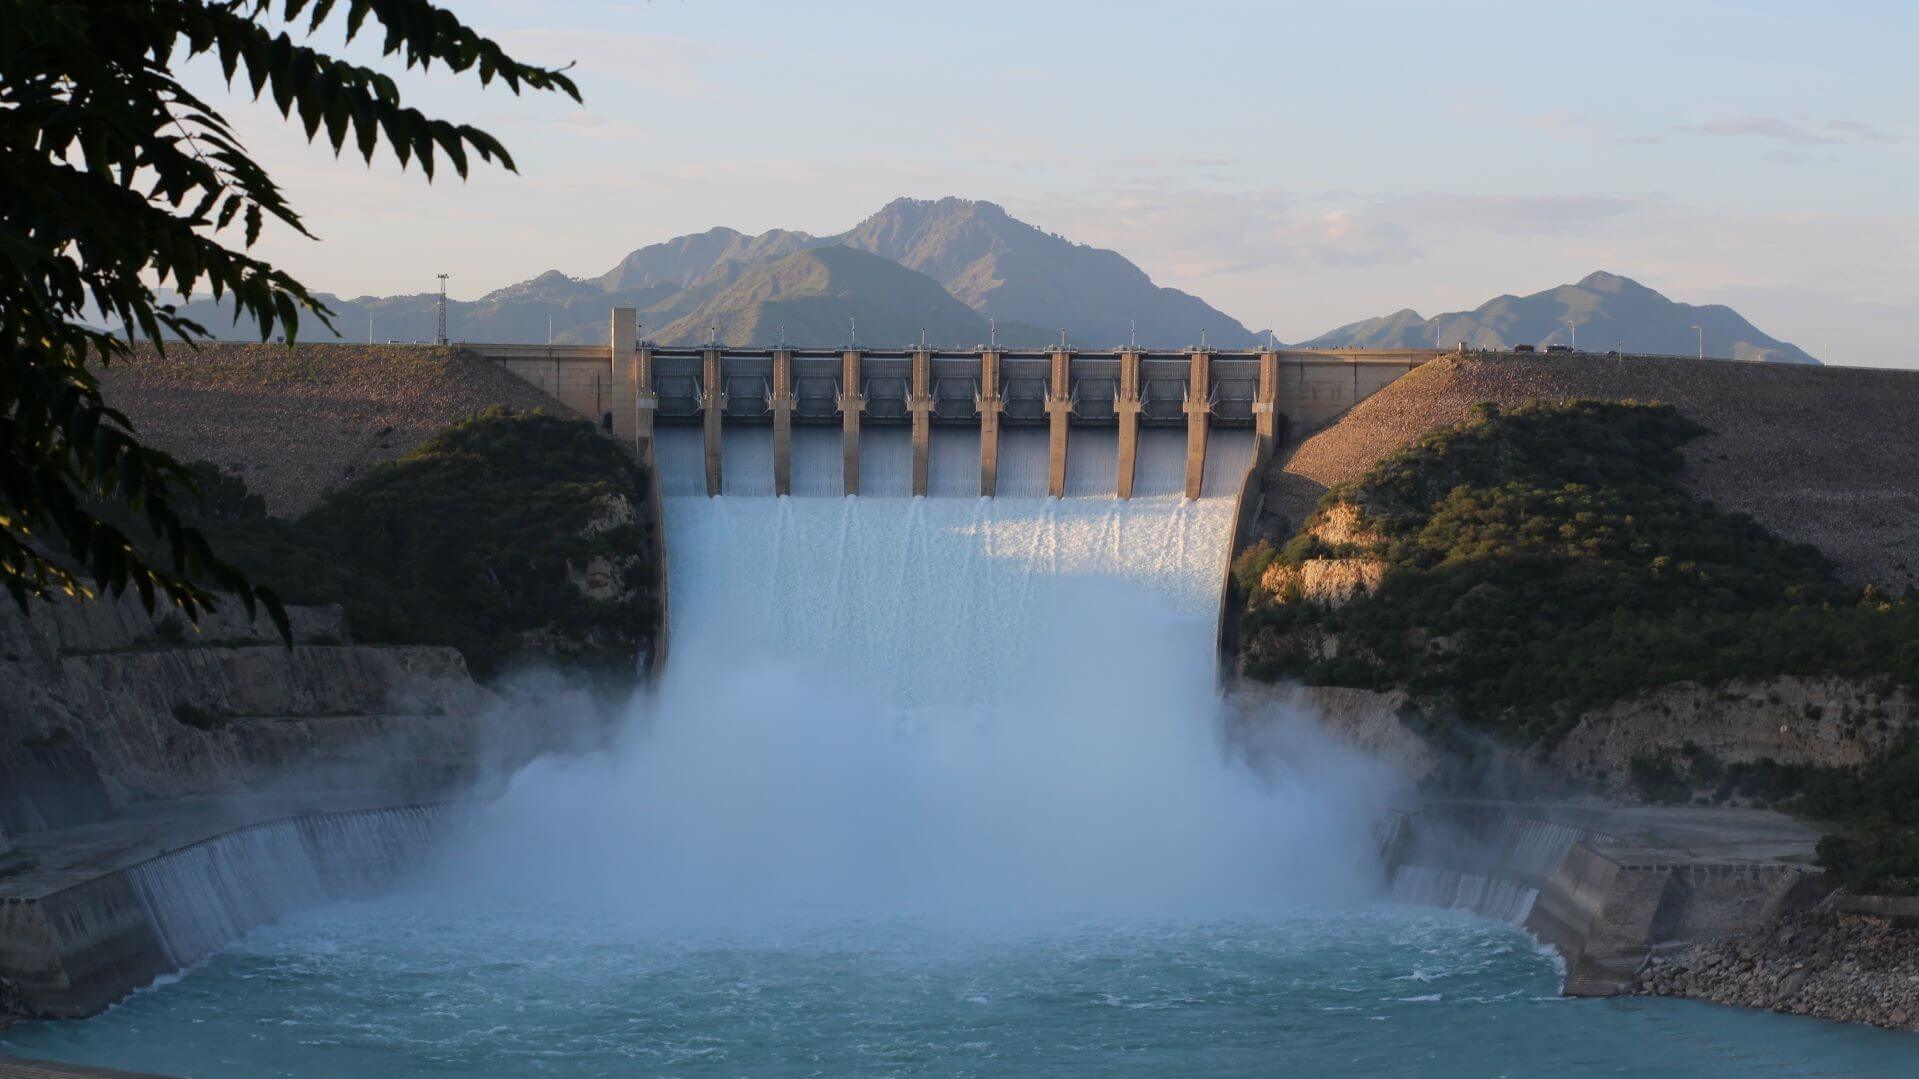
712, 413
991, 403
646, 399
1126, 409
1059, 413
781, 403
852, 403
919, 405
1199, 408
625, 366
1266, 407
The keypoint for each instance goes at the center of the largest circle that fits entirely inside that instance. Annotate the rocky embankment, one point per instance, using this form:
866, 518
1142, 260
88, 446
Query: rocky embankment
103, 706
1819, 722
1821, 455
1821, 963
295, 422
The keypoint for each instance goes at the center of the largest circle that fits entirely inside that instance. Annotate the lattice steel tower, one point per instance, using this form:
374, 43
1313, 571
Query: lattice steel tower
440, 336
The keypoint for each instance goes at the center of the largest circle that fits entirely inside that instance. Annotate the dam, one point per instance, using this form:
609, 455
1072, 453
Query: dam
950, 406
931, 786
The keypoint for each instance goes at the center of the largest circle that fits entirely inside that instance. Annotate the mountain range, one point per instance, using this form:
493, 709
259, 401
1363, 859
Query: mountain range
1606, 310
960, 270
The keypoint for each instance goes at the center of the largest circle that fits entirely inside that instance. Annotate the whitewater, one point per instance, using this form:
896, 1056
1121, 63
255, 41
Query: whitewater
931, 786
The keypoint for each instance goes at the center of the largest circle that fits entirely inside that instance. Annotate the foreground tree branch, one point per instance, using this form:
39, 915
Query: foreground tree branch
119, 183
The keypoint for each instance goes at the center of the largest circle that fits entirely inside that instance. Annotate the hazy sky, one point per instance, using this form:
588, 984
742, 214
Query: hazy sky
1298, 165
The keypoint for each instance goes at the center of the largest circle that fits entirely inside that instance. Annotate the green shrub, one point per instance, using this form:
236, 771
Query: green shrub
1251, 565
53, 739
1702, 767
223, 495
467, 541
1657, 779
205, 719
1881, 859
170, 628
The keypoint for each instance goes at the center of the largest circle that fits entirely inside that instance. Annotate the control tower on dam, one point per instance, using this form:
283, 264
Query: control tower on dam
793, 412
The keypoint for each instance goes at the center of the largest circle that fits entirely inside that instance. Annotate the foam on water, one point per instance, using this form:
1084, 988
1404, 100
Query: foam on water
931, 787
953, 708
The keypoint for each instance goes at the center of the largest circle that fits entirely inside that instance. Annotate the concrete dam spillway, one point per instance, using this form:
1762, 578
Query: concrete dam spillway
930, 786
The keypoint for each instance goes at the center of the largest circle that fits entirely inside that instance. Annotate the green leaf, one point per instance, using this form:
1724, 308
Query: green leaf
120, 180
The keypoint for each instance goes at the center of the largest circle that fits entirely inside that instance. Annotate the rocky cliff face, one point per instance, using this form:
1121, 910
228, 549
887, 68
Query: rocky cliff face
1826, 722
101, 705
1369, 721
1823, 722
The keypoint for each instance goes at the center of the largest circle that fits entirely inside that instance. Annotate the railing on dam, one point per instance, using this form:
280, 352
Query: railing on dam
632, 389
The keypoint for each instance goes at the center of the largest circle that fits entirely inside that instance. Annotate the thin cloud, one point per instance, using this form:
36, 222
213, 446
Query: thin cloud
1777, 129
667, 66
1562, 122
1189, 235
1518, 214
1858, 132
589, 125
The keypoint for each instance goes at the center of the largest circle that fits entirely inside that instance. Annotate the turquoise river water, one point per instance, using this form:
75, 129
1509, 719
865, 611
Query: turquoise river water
934, 787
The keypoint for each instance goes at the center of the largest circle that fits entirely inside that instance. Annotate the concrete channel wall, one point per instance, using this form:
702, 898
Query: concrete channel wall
75, 948
655, 511
1247, 506
1603, 902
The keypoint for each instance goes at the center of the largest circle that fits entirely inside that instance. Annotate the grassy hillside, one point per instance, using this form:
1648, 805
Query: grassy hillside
481, 538
1817, 455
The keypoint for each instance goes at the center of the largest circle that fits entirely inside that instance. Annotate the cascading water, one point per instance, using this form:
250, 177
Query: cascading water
1525, 852
1509, 901
993, 708
931, 787
202, 898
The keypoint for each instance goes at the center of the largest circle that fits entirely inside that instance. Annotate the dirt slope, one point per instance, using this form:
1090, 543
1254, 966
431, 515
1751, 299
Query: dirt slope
294, 422
1827, 456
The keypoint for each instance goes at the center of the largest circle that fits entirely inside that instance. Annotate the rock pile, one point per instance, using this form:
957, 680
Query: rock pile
295, 422
1811, 963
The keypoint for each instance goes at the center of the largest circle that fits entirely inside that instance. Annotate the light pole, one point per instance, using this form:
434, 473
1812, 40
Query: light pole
1702, 341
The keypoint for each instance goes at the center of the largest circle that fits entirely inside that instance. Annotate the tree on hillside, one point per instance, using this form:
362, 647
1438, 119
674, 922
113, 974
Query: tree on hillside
121, 182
